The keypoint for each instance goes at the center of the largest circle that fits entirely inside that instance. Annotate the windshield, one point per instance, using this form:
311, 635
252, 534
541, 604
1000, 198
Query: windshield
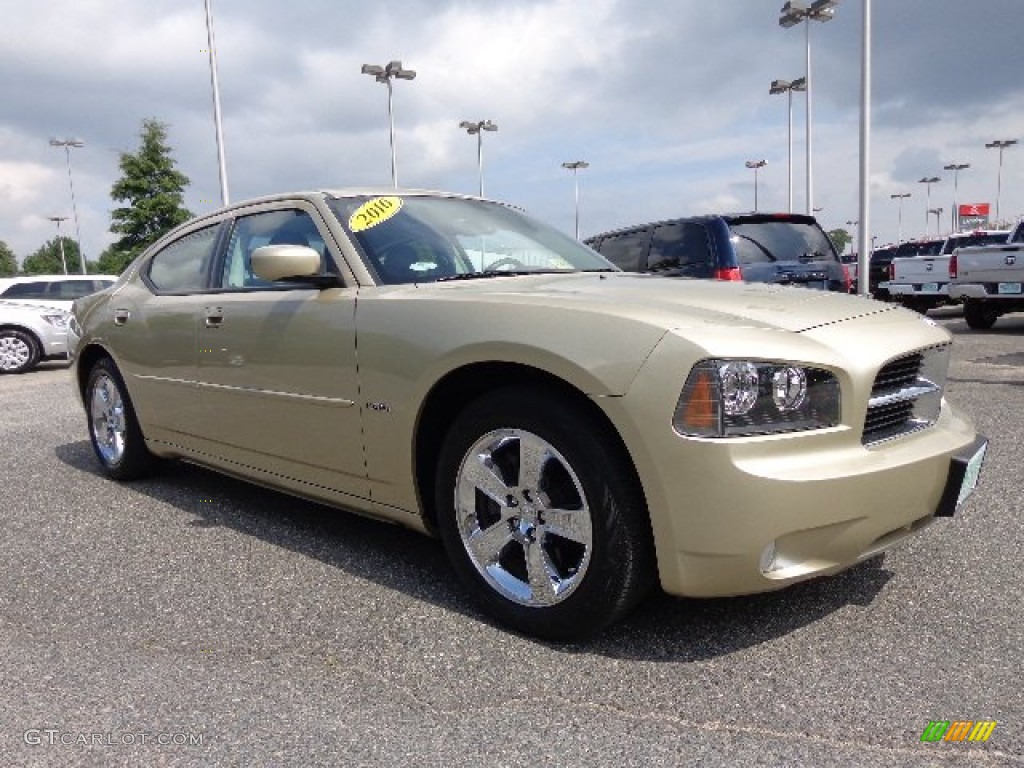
771, 241
416, 239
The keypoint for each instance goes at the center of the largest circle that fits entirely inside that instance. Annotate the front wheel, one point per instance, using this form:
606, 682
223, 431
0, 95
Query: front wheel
542, 515
978, 316
18, 351
113, 427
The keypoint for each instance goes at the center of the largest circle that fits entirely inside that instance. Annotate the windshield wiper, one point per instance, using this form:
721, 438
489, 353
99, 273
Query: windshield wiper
499, 273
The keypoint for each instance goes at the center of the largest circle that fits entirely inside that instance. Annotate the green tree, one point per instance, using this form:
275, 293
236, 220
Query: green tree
154, 192
840, 238
46, 259
112, 261
8, 261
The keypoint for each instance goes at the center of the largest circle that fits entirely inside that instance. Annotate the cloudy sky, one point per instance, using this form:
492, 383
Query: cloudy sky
666, 99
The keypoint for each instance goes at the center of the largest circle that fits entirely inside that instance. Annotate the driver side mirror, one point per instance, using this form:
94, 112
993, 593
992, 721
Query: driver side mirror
281, 262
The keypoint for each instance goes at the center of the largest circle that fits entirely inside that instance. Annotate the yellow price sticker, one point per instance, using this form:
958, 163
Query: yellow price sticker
373, 212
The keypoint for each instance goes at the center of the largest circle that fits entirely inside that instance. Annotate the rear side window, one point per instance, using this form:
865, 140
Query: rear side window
71, 289
627, 251
679, 246
757, 242
181, 267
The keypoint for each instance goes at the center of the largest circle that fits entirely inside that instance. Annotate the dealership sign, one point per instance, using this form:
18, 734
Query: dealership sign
973, 215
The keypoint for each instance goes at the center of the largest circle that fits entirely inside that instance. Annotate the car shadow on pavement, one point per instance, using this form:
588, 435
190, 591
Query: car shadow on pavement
663, 628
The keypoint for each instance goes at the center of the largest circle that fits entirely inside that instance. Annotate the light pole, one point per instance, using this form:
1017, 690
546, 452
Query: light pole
478, 129
755, 165
787, 87
901, 197
574, 166
63, 258
68, 144
928, 181
385, 75
937, 212
1000, 144
792, 14
864, 164
222, 168
955, 213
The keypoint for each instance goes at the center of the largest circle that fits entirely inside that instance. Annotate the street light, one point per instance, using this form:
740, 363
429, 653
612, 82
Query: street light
478, 129
928, 180
792, 14
68, 144
937, 212
385, 75
1000, 144
222, 168
901, 196
955, 213
63, 258
787, 87
756, 165
574, 166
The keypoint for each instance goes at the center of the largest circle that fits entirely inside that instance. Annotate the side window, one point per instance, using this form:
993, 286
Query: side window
181, 266
36, 290
627, 251
71, 289
289, 227
681, 247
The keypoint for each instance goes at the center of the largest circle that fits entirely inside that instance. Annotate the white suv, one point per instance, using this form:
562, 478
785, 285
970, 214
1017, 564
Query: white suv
52, 290
30, 333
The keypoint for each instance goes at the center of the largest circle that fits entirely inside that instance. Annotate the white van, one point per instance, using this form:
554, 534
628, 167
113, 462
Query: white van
58, 291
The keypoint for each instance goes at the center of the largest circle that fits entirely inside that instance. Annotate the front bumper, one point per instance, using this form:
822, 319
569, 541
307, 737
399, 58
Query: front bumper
752, 514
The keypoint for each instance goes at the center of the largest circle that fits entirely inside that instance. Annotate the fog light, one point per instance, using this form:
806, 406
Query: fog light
739, 387
789, 388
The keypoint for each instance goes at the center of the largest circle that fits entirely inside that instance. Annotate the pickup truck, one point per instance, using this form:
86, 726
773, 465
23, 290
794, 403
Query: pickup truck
988, 280
919, 272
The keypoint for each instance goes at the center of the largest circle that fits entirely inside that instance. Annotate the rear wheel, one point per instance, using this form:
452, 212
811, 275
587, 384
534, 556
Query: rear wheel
542, 515
113, 427
19, 351
978, 316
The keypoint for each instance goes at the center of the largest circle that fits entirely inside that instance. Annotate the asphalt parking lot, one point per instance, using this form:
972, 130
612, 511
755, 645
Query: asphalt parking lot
196, 620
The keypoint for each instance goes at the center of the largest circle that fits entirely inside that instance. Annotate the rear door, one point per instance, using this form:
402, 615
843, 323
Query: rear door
786, 249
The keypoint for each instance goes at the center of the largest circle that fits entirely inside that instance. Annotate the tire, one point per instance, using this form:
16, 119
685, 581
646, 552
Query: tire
558, 577
978, 316
19, 351
113, 427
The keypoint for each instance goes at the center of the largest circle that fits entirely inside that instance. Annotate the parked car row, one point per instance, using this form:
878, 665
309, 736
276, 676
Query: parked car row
920, 274
574, 434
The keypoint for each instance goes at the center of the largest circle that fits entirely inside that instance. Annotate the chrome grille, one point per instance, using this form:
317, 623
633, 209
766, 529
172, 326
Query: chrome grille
906, 395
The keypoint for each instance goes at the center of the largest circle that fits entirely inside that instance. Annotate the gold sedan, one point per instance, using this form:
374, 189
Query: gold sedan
574, 434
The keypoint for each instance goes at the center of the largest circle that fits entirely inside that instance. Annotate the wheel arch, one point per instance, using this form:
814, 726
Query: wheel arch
456, 389
84, 362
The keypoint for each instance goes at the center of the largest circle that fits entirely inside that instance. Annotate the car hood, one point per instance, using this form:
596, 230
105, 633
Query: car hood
668, 302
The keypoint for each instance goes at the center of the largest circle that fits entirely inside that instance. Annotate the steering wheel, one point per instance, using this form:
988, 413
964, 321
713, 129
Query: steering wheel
512, 264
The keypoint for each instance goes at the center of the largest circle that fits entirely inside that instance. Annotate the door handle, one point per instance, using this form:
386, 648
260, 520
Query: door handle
121, 316
214, 317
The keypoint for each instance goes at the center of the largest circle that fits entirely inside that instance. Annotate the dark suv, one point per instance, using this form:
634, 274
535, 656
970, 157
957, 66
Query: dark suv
878, 270
786, 248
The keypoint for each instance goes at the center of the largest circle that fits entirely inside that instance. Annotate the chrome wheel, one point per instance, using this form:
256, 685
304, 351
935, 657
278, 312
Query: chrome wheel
523, 517
15, 353
107, 419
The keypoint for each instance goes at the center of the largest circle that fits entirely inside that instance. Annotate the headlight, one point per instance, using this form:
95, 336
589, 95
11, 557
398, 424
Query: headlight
728, 398
61, 321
